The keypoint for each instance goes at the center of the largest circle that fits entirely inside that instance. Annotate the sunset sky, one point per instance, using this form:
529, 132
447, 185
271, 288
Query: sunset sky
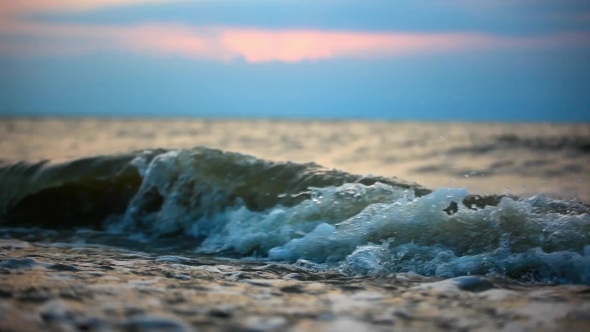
518, 60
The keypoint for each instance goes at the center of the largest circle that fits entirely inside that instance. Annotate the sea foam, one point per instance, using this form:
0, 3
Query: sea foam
409, 234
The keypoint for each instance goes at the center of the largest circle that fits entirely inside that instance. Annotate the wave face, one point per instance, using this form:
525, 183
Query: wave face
239, 205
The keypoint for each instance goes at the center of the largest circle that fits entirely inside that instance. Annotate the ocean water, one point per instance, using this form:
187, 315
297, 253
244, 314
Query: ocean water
206, 201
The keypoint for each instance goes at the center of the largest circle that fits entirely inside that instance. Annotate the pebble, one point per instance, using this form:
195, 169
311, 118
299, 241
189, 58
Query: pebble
155, 323
19, 263
465, 283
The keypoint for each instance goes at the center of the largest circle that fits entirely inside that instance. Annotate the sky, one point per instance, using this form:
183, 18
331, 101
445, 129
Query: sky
425, 60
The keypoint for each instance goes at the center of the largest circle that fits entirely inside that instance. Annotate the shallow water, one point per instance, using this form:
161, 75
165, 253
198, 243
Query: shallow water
203, 201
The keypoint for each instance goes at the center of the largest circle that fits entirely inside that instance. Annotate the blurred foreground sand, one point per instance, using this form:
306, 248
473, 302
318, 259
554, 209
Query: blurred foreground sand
485, 158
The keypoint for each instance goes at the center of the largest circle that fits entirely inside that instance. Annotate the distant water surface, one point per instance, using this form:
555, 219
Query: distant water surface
486, 158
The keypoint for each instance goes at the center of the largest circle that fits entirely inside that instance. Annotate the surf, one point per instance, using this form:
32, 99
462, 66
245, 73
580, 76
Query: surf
236, 204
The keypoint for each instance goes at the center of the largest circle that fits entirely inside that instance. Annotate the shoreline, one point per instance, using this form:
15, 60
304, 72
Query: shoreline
47, 287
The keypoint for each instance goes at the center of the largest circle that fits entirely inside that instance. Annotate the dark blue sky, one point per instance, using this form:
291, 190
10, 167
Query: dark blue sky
441, 60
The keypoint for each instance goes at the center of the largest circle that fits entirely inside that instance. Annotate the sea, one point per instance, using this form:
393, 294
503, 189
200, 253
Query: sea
444, 199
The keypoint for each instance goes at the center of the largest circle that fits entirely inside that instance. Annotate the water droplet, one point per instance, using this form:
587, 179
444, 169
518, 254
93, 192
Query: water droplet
441, 137
523, 187
453, 179
316, 196
443, 155
466, 175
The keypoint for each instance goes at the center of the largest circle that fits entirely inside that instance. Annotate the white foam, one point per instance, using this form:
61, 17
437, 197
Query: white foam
378, 229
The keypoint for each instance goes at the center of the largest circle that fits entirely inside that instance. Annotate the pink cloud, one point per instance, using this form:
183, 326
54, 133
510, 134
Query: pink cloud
257, 45
148, 38
292, 46
23, 6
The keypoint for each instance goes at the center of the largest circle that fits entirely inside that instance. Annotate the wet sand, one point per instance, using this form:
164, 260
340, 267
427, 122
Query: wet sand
85, 288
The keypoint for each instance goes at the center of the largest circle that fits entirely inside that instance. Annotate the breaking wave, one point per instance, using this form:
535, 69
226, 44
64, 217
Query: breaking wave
236, 204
